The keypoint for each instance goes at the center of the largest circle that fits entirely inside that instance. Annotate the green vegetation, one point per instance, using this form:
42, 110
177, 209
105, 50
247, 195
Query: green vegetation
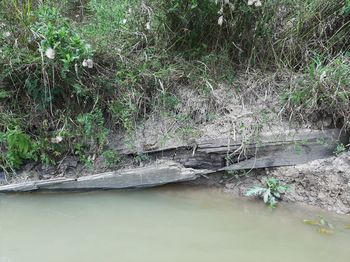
339, 149
324, 227
323, 92
271, 193
72, 71
19, 146
112, 158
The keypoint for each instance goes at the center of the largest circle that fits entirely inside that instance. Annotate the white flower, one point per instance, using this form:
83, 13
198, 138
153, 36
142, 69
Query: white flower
148, 26
50, 53
56, 139
7, 34
258, 3
221, 20
124, 21
88, 63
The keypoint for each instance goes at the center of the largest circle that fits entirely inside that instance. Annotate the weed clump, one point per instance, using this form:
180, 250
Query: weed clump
271, 193
323, 92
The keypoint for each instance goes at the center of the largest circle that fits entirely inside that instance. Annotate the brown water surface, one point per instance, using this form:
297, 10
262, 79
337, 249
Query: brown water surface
172, 224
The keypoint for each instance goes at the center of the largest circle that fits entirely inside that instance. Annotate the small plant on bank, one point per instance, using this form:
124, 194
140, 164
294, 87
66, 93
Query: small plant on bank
271, 193
341, 148
238, 174
17, 148
140, 158
112, 158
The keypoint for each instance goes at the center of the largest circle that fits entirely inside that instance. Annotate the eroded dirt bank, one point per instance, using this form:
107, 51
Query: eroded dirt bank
324, 183
320, 183
210, 132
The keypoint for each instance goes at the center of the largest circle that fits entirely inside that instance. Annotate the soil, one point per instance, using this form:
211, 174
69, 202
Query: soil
320, 183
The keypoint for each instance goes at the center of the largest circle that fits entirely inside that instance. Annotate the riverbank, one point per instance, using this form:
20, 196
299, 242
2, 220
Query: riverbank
245, 140
320, 183
129, 94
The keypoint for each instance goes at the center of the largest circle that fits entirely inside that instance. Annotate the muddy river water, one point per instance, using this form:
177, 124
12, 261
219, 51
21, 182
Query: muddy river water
171, 224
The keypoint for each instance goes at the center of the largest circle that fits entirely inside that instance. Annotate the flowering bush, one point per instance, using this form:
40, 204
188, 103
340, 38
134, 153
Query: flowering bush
256, 3
59, 41
46, 58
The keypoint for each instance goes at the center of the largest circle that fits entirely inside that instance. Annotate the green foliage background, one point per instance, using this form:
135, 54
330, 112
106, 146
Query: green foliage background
141, 52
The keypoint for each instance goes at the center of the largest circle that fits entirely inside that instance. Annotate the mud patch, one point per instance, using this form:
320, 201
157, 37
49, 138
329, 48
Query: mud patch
322, 183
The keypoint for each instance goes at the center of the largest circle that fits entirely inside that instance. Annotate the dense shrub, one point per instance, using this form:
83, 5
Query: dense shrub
276, 33
47, 63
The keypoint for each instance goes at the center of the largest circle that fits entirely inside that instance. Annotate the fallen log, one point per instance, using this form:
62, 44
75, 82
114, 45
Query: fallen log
203, 156
155, 175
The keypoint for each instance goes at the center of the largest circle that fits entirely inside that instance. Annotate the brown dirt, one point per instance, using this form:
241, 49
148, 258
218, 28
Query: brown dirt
322, 183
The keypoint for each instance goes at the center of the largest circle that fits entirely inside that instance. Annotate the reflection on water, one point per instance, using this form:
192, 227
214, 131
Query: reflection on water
169, 224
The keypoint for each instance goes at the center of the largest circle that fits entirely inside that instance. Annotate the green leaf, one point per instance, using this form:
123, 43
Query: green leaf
255, 191
282, 189
267, 195
325, 223
277, 194
325, 231
4, 94
272, 201
322, 223
311, 222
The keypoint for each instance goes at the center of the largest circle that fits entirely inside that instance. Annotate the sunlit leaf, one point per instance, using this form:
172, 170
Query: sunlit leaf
322, 221
255, 191
272, 201
267, 195
277, 194
325, 231
311, 222
325, 223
